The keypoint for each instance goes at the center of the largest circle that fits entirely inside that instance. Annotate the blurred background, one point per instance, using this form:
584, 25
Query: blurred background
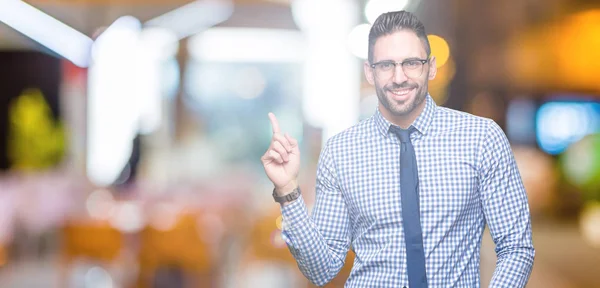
131, 131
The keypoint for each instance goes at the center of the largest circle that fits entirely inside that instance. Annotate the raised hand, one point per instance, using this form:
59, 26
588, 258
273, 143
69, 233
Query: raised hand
282, 160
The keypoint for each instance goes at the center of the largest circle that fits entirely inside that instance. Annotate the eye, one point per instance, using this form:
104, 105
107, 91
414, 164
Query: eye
412, 63
386, 65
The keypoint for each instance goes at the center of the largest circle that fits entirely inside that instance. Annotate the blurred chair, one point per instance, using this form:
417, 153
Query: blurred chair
97, 241
266, 243
266, 260
266, 246
174, 251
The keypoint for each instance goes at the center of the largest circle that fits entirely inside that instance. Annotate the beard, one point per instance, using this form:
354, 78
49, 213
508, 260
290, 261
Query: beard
403, 108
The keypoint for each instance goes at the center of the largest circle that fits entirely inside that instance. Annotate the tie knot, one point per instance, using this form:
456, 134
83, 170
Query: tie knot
402, 134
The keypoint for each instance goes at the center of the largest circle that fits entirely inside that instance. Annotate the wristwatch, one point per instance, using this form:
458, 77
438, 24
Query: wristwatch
288, 197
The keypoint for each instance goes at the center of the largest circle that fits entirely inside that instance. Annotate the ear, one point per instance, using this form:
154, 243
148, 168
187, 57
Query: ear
432, 68
369, 73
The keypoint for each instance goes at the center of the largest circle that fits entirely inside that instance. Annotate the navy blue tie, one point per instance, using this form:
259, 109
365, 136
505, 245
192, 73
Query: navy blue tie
409, 188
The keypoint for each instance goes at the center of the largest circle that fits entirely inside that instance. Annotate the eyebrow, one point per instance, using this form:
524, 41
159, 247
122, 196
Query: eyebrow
407, 59
413, 58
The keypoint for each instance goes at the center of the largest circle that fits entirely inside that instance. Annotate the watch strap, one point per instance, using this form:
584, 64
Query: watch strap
295, 194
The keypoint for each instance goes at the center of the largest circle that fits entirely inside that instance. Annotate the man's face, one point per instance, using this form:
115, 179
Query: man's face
400, 90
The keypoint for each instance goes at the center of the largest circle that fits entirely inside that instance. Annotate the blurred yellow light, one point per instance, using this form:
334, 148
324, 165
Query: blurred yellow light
557, 55
439, 85
439, 49
578, 61
590, 224
279, 223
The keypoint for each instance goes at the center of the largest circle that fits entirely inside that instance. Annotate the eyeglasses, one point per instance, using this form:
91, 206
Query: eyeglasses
412, 68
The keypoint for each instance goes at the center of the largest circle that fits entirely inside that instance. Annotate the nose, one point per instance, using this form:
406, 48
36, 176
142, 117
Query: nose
399, 75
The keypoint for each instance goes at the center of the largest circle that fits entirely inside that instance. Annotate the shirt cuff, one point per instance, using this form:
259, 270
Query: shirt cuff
294, 214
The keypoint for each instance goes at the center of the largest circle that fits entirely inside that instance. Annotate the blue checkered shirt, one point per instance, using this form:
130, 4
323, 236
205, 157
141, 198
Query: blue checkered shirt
467, 179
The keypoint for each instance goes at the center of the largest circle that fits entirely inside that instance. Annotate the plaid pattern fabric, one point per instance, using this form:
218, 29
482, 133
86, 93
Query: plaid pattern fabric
467, 179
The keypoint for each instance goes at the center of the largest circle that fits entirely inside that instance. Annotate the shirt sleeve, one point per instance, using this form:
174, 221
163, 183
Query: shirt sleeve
506, 210
319, 242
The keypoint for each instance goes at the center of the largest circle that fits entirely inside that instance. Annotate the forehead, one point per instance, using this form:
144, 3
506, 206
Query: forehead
398, 46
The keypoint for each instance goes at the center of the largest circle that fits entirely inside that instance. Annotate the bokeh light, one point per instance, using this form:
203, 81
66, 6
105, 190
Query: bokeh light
440, 49
358, 41
128, 217
559, 124
250, 83
164, 216
374, 8
542, 57
589, 224
100, 204
577, 65
279, 222
276, 239
98, 277
581, 164
539, 174
438, 87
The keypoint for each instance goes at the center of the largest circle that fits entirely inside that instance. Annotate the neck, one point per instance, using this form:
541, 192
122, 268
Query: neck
404, 121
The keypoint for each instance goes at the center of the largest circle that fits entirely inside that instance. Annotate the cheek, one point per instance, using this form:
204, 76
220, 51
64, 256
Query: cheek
421, 82
379, 84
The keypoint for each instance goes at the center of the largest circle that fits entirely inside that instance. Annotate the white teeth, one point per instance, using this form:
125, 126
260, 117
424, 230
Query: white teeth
401, 92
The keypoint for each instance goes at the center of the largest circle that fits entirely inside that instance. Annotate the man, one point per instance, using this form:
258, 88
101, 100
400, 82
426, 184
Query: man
409, 189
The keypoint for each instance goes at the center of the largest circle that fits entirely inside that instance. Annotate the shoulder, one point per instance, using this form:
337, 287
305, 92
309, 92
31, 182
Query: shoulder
466, 125
351, 137
446, 118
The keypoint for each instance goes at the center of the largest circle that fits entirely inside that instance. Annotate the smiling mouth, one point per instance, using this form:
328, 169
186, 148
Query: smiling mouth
400, 94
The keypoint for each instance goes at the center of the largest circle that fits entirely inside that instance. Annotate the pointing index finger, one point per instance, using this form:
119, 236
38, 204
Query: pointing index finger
274, 123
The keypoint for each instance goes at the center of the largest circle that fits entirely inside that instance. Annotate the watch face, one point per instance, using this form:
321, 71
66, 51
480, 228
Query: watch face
286, 198
294, 194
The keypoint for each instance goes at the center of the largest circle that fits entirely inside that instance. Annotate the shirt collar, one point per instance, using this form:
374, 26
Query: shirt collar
422, 122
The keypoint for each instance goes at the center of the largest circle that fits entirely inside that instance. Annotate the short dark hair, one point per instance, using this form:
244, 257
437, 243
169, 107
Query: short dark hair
390, 22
